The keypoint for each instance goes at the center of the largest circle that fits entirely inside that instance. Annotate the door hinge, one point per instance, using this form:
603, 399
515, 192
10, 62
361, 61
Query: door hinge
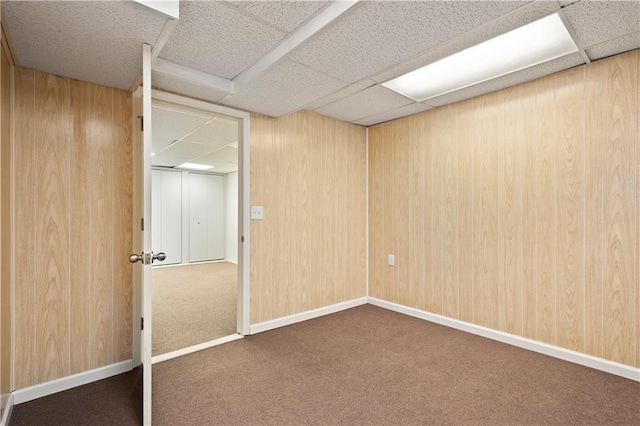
242, 239
142, 224
141, 123
141, 323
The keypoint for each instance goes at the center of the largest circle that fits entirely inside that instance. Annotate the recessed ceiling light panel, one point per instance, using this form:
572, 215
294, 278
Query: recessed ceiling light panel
529, 45
194, 166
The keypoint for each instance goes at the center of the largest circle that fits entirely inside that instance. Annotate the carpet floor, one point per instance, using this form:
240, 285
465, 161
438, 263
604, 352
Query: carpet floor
193, 304
367, 366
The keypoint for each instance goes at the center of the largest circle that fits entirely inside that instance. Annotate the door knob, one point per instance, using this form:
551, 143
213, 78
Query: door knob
159, 257
136, 258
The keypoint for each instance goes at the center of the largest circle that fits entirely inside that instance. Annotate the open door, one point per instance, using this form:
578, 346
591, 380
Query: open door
146, 257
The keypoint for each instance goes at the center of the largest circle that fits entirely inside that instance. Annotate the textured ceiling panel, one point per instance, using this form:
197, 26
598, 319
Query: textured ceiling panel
221, 167
342, 93
225, 155
213, 37
565, 3
179, 153
158, 144
615, 46
515, 19
372, 101
595, 22
393, 114
284, 88
286, 15
509, 80
172, 125
381, 34
169, 84
218, 133
98, 42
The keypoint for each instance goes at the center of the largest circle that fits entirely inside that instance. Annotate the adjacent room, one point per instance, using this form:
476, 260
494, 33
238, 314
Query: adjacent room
320, 212
195, 224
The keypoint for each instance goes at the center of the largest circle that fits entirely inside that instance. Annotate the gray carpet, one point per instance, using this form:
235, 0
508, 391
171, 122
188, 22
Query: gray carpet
193, 304
363, 366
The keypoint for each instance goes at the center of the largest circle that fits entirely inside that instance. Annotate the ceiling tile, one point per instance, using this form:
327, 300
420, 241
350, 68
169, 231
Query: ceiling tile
515, 19
218, 133
342, 93
172, 125
286, 15
226, 155
214, 37
178, 153
181, 87
509, 80
99, 42
595, 22
404, 111
615, 46
158, 144
565, 3
284, 88
372, 101
378, 35
221, 167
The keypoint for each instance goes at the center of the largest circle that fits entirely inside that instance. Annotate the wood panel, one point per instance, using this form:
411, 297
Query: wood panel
24, 231
570, 209
5, 221
510, 214
308, 171
544, 190
547, 203
72, 214
618, 183
122, 225
52, 145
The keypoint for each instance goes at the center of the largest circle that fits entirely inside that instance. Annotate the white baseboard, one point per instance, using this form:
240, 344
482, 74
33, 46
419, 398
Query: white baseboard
195, 348
7, 408
59, 385
303, 316
521, 342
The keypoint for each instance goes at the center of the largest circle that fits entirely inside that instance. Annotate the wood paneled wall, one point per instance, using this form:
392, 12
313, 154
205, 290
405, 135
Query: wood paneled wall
518, 210
73, 226
309, 173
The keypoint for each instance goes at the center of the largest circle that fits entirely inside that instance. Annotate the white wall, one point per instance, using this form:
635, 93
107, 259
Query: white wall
231, 217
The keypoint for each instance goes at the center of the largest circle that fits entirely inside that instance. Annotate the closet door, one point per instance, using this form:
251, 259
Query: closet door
166, 196
206, 217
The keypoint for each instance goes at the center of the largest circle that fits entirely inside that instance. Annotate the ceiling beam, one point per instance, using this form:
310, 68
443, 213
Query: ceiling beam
168, 28
191, 75
302, 34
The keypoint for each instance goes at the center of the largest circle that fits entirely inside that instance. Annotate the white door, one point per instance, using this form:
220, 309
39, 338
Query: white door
206, 217
146, 257
167, 214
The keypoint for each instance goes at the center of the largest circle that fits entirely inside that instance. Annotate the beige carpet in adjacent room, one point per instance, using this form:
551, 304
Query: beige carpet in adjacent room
193, 304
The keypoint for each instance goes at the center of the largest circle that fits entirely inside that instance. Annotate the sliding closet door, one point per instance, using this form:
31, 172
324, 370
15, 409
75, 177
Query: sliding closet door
206, 217
167, 214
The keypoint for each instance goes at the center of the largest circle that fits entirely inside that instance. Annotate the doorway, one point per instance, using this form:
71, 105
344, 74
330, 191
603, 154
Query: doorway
200, 217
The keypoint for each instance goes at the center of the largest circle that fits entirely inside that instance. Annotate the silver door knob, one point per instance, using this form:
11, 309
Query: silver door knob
135, 258
159, 257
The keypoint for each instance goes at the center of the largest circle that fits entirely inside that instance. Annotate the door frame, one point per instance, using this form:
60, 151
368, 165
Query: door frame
243, 207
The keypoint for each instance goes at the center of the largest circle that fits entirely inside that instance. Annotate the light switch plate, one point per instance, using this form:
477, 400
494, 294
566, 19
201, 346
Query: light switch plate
257, 212
391, 260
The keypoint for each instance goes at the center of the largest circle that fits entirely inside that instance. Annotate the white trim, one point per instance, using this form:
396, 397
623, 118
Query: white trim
193, 76
196, 348
366, 210
303, 316
328, 15
44, 389
169, 26
521, 342
7, 410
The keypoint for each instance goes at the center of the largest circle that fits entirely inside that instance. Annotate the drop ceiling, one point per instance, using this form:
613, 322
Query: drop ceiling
282, 56
182, 135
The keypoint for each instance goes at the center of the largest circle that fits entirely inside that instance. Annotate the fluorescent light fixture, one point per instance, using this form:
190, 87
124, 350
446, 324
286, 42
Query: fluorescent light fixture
194, 166
529, 45
153, 153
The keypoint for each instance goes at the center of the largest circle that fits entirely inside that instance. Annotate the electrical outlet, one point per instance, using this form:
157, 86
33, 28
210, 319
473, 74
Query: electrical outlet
257, 212
391, 260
